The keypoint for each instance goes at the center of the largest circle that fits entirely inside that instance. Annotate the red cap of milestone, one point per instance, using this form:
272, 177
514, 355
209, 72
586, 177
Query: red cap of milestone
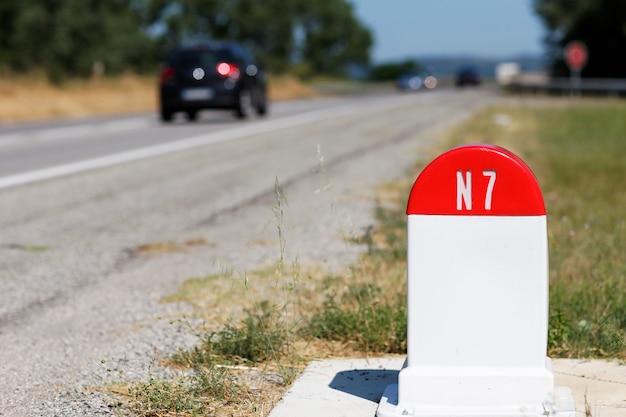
479, 180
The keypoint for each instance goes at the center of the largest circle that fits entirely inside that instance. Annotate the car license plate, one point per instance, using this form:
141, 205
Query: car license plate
197, 94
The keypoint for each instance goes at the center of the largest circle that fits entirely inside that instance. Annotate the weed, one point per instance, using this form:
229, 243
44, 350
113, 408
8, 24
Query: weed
265, 335
256, 339
368, 310
364, 319
158, 396
26, 248
392, 223
558, 332
197, 394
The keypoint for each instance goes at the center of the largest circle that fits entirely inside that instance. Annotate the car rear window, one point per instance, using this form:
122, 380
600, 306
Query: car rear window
201, 58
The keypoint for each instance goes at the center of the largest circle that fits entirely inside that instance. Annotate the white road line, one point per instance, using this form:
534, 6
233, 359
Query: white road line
69, 132
8, 140
201, 140
64, 132
128, 124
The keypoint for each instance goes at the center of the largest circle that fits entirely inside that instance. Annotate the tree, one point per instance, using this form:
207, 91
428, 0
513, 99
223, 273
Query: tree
268, 31
8, 15
74, 38
70, 38
324, 35
332, 36
392, 70
600, 24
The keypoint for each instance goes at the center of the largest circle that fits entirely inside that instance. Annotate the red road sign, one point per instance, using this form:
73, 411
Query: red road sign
483, 180
575, 55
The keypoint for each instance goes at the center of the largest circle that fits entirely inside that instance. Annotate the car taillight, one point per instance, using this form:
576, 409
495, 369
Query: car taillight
228, 70
167, 73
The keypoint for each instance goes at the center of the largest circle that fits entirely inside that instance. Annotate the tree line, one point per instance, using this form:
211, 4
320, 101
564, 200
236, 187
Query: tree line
599, 24
77, 38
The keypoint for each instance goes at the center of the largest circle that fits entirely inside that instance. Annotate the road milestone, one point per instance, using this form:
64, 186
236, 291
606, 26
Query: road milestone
477, 292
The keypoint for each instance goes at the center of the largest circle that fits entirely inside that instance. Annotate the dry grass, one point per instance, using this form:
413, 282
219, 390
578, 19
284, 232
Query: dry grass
33, 98
288, 88
218, 298
162, 247
26, 98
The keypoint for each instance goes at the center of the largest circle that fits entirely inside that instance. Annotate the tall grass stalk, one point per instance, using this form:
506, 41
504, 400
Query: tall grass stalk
279, 318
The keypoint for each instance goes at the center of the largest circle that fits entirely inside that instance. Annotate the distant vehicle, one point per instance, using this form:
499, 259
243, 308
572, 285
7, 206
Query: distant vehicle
211, 75
415, 81
507, 72
467, 76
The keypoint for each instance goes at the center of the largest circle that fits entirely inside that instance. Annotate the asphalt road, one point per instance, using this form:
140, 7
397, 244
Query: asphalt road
78, 306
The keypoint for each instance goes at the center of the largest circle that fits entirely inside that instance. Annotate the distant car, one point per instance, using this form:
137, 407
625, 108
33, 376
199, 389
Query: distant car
211, 75
467, 76
415, 81
409, 82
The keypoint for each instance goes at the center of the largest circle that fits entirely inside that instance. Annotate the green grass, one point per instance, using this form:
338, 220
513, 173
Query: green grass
577, 152
583, 152
364, 318
256, 339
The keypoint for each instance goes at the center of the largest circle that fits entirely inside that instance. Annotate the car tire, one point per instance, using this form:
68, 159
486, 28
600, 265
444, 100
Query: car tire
261, 107
166, 115
192, 115
244, 104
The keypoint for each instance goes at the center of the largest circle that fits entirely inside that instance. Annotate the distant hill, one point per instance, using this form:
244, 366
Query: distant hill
449, 65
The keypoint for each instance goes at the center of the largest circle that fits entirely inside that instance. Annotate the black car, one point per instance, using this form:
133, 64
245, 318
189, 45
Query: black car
467, 76
211, 75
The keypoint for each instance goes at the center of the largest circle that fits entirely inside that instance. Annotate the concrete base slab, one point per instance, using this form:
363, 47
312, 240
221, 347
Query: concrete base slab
561, 406
598, 387
339, 388
354, 387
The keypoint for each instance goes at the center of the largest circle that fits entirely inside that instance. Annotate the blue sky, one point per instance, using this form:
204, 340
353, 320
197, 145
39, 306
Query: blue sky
417, 28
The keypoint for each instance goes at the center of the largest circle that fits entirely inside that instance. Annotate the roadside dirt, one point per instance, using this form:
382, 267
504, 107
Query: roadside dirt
30, 98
